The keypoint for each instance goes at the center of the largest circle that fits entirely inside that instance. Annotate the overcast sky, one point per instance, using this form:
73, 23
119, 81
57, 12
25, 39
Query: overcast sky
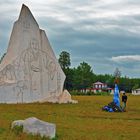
103, 33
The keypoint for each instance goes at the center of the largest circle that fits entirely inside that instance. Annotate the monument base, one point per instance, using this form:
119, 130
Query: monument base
64, 97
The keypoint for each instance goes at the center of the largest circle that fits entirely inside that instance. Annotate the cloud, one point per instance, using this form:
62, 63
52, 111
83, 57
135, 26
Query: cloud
104, 33
127, 58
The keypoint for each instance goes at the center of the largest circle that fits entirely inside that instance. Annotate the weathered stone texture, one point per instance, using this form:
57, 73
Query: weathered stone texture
29, 71
35, 126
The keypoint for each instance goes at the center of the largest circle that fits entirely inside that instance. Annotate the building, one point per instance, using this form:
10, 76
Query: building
136, 91
99, 87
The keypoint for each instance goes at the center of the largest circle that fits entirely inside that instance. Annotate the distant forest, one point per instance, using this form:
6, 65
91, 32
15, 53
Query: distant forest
83, 76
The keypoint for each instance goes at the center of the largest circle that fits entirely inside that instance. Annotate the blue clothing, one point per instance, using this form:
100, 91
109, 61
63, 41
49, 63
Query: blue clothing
116, 98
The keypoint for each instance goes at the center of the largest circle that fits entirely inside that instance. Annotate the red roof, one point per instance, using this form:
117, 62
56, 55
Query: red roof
99, 83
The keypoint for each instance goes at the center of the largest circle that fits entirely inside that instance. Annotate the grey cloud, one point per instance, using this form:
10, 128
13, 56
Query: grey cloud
92, 31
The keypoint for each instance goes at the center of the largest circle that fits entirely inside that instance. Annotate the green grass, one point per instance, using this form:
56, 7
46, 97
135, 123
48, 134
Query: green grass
82, 121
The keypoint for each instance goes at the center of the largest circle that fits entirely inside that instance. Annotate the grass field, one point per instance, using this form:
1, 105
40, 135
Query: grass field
82, 121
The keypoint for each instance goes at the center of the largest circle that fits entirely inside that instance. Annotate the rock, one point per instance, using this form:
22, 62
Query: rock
17, 123
64, 97
35, 126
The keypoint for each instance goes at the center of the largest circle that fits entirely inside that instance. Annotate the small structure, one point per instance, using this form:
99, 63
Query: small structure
100, 87
136, 91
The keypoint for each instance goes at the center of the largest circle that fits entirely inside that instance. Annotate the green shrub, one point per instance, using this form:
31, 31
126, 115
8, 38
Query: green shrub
2, 130
89, 93
104, 93
55, 138
76, 93
18, 129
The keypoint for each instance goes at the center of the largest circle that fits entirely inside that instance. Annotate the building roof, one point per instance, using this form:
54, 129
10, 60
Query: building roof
137, 89
99, 83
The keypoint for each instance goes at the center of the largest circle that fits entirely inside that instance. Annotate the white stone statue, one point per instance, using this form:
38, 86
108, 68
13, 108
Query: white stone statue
30, 72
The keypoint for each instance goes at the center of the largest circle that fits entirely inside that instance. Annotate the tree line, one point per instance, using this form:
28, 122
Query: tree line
83, 76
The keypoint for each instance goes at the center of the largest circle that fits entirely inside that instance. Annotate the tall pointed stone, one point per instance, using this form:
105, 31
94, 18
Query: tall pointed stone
29, 72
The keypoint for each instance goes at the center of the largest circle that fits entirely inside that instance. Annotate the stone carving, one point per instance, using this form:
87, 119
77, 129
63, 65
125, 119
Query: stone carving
64, 97
29, 72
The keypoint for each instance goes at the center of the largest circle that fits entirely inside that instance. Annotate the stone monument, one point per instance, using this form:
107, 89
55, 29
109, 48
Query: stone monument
30, 72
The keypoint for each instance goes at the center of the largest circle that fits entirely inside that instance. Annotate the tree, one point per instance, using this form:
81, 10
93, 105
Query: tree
135, 86
64, 60
117, 75
83, 76
69, 72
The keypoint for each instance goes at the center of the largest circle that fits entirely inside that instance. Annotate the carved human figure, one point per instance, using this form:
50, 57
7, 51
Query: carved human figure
7, 75
39, 69
32, 67
52, 79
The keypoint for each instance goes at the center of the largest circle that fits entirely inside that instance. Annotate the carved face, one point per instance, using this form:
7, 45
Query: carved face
34, 46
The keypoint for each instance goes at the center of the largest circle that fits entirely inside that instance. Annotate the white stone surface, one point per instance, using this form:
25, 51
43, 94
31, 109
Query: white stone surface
17, 123
136, 91
29, 72
35, 126
64, 97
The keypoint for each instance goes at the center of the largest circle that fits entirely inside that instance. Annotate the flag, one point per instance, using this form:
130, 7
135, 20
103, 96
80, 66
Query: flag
116, 98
